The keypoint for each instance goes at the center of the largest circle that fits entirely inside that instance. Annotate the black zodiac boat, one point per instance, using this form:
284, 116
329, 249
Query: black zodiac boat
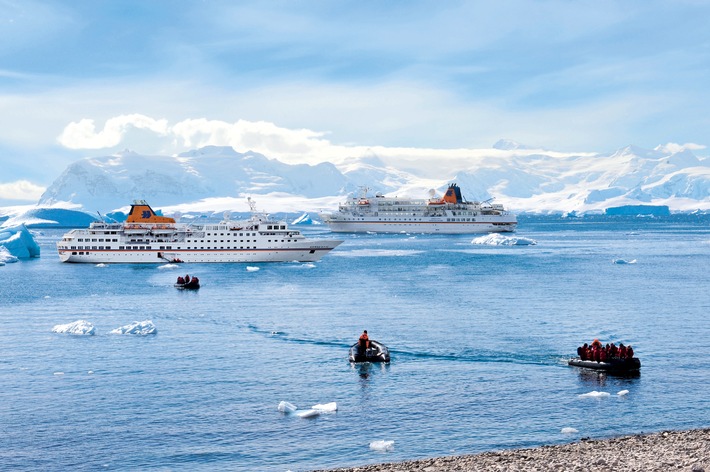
611, 365
377, 352
189, 284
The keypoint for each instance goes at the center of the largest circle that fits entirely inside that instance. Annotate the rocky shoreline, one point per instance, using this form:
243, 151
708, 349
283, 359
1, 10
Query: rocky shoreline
665, 451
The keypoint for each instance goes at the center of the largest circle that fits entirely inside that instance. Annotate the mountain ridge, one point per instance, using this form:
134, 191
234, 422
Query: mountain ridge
523, 178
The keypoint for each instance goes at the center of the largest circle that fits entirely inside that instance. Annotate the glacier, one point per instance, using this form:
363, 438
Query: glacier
17, 242
524, 179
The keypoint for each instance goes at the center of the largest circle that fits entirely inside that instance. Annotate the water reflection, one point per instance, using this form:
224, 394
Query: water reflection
599, 378
366, 370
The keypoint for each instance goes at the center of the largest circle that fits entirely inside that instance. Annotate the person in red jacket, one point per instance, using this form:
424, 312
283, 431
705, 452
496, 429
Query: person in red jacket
629, 352
622, 351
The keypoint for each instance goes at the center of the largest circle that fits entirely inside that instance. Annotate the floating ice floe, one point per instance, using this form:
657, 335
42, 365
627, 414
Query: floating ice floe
326, 407
382, 445
102, 265
497, 239
286, 407
291, 409
569, 431
623, 261
18, 243
252, 269
80, 327
621, 393
594, 394
307, 413
140, 328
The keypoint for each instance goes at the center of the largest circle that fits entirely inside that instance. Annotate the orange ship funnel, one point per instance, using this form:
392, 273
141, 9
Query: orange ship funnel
141, 212
453, 194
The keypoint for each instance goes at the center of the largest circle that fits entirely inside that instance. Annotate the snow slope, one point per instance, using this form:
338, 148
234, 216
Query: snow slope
520, 177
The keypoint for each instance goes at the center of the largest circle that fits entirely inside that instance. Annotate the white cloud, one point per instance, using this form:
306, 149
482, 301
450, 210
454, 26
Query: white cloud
20, 190
673, 148
83, 135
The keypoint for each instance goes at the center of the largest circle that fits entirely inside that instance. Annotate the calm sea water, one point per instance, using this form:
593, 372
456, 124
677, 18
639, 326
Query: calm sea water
479, 338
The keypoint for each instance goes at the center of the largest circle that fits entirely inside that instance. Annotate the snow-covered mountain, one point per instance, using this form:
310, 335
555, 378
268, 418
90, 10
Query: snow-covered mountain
522, 178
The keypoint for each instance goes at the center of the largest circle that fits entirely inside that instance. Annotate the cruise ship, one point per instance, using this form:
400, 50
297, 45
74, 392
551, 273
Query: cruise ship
146, 237
450, 214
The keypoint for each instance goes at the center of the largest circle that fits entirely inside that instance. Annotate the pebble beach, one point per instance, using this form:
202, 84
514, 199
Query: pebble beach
664, 451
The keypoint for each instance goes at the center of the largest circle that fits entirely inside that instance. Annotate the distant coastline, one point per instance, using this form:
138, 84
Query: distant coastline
664, 451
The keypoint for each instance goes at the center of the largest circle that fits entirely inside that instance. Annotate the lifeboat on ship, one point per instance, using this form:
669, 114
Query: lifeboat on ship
377, 352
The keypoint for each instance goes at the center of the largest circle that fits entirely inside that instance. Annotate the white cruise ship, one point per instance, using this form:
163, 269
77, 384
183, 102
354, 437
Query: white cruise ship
447, 215
149, 238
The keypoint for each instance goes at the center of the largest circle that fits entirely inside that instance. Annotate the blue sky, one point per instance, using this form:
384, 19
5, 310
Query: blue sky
88, 78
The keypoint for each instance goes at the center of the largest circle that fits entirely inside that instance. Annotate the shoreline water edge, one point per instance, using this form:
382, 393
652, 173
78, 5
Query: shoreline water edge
663, 451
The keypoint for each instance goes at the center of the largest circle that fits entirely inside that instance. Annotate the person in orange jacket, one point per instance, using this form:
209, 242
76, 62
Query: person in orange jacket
364, 341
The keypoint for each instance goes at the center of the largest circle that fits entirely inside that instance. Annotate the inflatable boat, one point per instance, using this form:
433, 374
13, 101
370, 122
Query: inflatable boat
193, 284
377, 352
611, 365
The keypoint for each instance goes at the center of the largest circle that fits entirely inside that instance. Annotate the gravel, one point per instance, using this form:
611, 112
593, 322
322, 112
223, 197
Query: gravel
665, 451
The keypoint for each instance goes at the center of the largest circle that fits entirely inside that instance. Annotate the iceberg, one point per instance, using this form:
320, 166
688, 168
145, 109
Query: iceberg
18, 242
382, 445
6, 257
141, 328
496, 239
79, 327
304, 219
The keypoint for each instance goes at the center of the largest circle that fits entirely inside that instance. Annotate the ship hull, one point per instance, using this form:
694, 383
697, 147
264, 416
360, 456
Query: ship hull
426, 227
311, 253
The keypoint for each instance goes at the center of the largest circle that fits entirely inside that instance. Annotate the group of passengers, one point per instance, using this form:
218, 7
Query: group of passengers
600, 353
186, 280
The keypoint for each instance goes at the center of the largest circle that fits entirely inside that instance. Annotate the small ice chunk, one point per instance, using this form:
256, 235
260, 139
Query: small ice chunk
307, 413
286, 407
168, 266
326, 407
140, 328
102, 265
569, 431
59, 373
252, 269
594, 394
382, 445
622, 393
79, 327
